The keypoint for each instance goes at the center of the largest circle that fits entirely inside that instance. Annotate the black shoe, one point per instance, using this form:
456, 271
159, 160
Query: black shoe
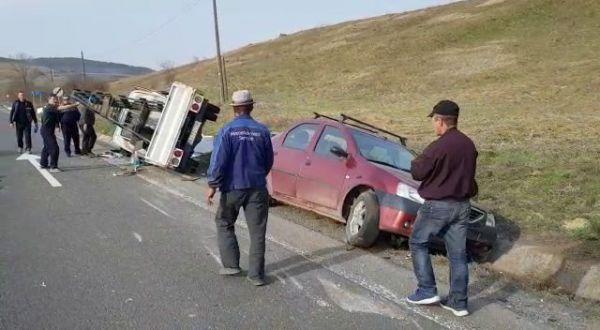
44, 167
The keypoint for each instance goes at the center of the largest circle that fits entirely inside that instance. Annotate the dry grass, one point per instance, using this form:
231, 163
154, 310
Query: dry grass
524, 71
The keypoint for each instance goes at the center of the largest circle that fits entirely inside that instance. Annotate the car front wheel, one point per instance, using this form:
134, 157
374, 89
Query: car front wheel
362, 225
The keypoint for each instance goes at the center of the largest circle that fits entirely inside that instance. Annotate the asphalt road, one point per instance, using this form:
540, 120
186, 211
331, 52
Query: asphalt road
106, 251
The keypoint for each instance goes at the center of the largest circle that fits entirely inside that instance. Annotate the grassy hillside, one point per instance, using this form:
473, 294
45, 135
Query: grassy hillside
526, 73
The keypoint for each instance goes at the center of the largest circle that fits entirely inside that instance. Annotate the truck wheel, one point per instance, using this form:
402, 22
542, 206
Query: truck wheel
362, 225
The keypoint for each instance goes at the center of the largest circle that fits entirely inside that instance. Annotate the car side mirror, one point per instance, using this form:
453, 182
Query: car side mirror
338, 152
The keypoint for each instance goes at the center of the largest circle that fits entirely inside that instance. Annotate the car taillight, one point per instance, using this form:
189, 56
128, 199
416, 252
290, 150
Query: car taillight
176, 159
197, 104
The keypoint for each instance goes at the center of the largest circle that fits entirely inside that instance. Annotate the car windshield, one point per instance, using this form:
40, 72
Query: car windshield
382, 151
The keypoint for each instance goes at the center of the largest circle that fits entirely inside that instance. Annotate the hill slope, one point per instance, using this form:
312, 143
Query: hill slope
73, 64
524, 71
63, 70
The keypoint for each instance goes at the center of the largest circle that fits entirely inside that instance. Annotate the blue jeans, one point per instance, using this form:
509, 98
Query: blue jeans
449, 220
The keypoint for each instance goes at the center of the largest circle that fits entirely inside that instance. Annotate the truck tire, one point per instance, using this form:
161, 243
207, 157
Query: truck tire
362, 225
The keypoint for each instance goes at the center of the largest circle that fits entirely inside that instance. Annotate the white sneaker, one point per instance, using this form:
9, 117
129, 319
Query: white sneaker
456, 312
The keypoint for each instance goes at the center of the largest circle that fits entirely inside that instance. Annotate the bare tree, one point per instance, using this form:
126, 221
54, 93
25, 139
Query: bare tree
169, 72
24, 70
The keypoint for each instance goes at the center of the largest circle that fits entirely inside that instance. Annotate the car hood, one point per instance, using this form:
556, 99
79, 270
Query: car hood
405, 177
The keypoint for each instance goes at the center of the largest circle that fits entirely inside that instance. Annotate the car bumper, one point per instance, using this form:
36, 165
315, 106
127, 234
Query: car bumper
397, 215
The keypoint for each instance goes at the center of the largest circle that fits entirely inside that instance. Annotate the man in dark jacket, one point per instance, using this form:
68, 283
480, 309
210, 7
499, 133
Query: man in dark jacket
88, 119
22, 114
68, 125
50, 121
241, 159
446, 169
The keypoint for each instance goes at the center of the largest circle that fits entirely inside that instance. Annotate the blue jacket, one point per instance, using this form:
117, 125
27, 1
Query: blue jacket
242, 156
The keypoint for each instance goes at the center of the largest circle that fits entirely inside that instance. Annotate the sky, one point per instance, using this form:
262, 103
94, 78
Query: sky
151, 32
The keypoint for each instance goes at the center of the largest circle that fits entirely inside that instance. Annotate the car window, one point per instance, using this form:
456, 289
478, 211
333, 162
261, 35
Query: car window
331, 137
300, 137
382, 151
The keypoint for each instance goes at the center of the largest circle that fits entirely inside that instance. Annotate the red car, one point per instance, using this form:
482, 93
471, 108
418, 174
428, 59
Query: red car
356, 173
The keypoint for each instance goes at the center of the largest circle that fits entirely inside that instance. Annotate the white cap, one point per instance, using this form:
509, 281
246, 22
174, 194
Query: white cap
58, 91
242, 97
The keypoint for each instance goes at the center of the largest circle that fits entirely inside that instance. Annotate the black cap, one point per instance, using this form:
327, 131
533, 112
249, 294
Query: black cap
445, 108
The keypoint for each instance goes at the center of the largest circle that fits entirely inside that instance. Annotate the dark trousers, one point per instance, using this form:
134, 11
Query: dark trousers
448, 220
50, 149
71, 132
89, 139
23, 129
256, 208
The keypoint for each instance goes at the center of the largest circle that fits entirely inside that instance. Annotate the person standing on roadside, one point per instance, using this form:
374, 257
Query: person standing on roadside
68, 126
241, 159
446, 169
22, 114
87, 122
50, 121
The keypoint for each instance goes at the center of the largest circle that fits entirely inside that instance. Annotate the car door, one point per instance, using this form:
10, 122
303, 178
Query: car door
289, 157
323, 174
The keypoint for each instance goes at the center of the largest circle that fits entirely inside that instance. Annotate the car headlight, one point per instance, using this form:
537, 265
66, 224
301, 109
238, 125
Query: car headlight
490, 220
409, 192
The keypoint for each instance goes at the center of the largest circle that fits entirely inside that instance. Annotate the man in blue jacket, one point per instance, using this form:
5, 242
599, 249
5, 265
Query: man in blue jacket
241, 159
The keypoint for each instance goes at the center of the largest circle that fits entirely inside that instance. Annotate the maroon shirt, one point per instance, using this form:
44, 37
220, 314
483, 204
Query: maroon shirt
446, 168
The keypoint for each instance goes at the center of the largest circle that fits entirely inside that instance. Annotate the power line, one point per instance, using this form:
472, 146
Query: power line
184, 10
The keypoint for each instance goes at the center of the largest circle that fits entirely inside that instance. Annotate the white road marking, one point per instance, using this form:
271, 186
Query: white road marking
157, 208
307, 293
356, 302
213, 254
34, 160
281, 279
137, 236
367, 284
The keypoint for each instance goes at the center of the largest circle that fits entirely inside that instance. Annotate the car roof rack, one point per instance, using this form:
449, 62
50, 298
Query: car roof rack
350, 121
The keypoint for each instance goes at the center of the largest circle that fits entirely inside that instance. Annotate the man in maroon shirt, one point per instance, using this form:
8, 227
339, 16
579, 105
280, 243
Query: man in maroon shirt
446, 169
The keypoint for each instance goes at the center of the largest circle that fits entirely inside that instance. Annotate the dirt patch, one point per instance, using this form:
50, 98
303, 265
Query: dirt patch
467, 62
491, 3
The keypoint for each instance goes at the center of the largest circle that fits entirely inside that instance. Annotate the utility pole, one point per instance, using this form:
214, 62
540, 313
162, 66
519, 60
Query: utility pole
225, 78
83, 66
219, 58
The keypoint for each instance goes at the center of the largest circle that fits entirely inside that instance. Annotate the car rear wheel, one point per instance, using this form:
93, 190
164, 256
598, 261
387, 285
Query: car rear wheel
362, 225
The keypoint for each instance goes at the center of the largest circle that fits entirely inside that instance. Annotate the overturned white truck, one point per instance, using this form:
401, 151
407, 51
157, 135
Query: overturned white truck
162, 128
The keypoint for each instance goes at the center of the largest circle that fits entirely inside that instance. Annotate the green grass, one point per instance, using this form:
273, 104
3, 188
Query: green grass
525, 73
